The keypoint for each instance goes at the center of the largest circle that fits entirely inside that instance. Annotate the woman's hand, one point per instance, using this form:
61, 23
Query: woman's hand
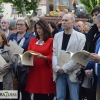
95, 57
39, 55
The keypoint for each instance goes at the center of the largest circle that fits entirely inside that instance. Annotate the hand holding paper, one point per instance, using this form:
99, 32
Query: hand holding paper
95, 57
27, 58
81, 57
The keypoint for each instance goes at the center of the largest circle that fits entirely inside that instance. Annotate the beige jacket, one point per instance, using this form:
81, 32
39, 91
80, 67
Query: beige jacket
8, 68
76, 43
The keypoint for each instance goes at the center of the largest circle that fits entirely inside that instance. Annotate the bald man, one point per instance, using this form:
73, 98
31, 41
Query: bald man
72, 41
80, 25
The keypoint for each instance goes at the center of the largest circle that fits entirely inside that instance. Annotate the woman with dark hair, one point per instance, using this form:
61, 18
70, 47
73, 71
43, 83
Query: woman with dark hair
40, 76
53, 28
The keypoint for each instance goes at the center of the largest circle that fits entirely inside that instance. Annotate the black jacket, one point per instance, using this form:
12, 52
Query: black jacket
91, 39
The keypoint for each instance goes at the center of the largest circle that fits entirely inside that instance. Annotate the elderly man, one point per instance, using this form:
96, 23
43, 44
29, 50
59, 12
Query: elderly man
95, 63
33, 21
72, 41
5, 23
80, 25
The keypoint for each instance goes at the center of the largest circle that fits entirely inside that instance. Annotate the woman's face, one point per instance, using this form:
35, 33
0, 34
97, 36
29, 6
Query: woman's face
39, 30
94, 16
21, 26
1, 40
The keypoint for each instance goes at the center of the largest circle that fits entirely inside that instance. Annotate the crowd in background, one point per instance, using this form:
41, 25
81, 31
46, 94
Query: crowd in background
46, 79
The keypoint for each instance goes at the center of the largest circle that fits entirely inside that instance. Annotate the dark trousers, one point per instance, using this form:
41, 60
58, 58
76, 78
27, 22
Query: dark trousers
43, 97
25, 95
87, 93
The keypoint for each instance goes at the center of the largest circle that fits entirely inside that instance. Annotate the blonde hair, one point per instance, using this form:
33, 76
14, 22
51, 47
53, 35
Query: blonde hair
27, 21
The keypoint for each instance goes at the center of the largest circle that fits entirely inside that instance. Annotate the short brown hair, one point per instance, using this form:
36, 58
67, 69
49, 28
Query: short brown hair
4, 38
46, 29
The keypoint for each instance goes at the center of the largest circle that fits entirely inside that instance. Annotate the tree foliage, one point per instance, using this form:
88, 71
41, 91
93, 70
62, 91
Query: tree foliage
26, 4
90, 5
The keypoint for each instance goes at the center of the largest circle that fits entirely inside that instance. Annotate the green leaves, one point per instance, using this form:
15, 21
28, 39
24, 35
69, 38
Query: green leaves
90, 5
18, 4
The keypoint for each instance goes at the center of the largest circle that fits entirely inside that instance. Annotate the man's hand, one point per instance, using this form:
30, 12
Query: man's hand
89, 73
95, 57
60, 71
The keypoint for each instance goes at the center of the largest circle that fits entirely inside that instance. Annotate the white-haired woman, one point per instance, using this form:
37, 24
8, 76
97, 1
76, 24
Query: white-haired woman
22, 38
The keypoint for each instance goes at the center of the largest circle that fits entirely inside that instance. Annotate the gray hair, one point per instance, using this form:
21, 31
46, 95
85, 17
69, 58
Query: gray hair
7, 20
33, 21
97, 18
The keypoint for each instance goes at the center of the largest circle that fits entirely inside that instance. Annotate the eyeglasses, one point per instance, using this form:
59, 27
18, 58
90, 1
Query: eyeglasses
20, 25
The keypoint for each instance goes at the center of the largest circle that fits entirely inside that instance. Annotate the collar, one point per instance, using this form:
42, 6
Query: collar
73, 32
7, 32
26, 34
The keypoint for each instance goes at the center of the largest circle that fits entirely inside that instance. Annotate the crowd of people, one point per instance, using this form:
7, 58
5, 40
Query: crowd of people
46, 79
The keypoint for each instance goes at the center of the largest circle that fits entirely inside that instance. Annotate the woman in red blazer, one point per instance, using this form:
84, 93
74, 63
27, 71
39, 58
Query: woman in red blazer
40, 77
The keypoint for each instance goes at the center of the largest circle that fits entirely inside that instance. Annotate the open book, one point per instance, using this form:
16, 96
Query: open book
2, 63
26, 58
15, 48
81, 57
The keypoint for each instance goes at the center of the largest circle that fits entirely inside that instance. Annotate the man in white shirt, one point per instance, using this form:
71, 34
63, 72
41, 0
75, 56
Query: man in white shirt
72, 41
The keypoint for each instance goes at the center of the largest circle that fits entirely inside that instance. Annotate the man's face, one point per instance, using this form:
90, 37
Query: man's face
80, 27
94, 16
98, 25
4, 25
67, 23
61, 14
